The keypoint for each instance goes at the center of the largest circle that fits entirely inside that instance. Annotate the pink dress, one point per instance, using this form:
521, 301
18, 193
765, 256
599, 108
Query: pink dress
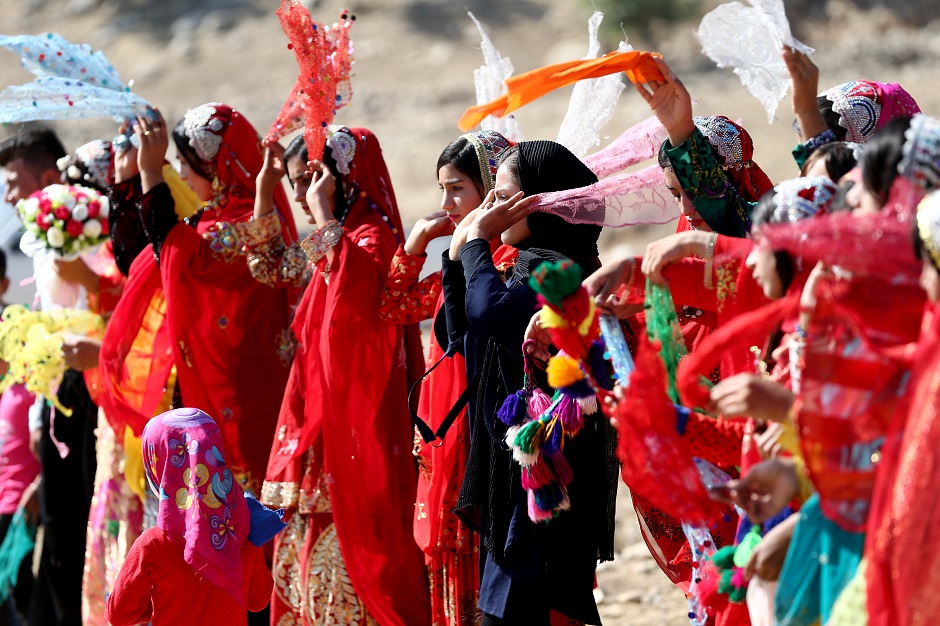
18, 466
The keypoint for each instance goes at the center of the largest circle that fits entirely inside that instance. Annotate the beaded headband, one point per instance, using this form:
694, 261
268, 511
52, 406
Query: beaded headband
489, 145
801, 198
920, 161
928, 226
726, 137
858, 105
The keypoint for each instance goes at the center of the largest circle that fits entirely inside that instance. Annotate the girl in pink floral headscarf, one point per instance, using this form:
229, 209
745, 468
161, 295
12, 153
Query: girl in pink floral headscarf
198, 565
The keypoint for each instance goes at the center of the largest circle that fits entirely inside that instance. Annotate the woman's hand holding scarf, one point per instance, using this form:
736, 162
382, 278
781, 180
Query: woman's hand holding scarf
463, 228
805, 76
670, 102
766, 489
154, 142
320, 193
497, 218
747, 395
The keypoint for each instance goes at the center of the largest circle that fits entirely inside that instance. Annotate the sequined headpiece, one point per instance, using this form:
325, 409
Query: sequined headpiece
921, 153
204, 129
928, 226
730, 140
489, 145
864, 106
90, 165
342, 147
801, 198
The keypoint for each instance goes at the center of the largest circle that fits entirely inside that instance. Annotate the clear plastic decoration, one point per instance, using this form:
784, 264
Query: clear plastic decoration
489, 80
72, 82
325, 58
617, 350
592, 101
703, 547
750, 40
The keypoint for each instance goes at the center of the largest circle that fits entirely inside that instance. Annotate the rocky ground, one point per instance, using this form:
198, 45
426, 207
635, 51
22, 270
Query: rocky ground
413, 78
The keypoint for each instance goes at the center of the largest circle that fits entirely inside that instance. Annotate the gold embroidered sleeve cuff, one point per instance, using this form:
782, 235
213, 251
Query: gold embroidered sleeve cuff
322, 240
257, 232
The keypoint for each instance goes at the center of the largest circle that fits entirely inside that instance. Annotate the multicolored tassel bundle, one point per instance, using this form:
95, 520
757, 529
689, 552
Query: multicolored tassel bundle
539, 425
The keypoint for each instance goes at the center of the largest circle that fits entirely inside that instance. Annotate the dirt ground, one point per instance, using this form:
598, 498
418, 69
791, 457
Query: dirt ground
413, 79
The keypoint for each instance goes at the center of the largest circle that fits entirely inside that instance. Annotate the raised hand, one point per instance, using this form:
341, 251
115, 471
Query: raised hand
498, 217
320, 193
671, 104
154, 142
427, 229
805, 77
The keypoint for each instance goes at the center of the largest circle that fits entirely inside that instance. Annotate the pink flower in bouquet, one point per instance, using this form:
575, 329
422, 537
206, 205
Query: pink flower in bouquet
62, 213
105, 227
45, 221
94, 207
74, 228
45, 206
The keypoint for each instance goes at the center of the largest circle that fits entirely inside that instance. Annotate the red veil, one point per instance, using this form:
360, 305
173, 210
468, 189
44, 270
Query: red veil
222, 328
347, 400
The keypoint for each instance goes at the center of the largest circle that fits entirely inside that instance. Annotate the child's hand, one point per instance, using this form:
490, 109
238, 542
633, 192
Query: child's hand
273, 170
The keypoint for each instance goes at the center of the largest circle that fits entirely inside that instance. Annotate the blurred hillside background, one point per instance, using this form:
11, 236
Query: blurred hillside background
413, 78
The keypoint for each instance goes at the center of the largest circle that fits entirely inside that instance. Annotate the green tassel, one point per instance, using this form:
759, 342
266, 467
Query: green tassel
724, 558
556, 281
530, 436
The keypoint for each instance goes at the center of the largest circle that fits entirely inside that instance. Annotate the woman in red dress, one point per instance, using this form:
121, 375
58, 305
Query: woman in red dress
222, 327
341, 465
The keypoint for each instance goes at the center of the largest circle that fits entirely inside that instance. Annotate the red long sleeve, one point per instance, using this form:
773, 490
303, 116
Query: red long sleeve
155, 584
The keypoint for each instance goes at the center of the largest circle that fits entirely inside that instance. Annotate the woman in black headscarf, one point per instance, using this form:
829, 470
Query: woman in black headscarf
528, 569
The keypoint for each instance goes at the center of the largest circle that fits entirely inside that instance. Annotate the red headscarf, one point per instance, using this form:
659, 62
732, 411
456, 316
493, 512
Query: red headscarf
348, 396
222, 328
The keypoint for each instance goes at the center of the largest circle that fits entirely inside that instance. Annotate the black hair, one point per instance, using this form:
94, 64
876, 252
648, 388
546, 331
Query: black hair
838, 156
3, 264
462, 154
763, 213
663, 158
831, 117
296, 149
188, 152
840, 200
882, 155
39, 148
510, 158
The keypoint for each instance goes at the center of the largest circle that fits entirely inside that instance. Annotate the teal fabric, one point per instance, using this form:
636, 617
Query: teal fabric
16, 545
697, 166
821, 561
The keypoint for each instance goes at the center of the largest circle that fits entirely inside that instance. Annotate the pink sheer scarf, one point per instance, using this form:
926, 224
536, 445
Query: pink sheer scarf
624, 199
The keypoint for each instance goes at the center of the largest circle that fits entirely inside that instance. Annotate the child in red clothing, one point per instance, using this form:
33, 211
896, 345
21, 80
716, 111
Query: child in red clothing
202, 563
